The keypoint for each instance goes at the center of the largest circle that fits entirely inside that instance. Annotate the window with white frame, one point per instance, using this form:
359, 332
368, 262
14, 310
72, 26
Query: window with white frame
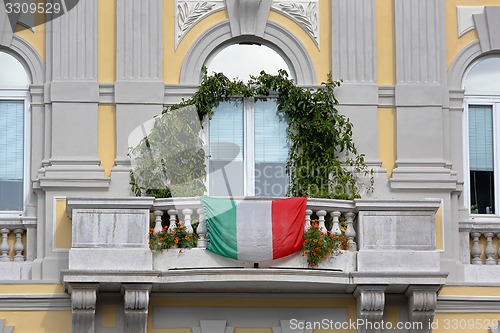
247, 139
482, 116
14, 83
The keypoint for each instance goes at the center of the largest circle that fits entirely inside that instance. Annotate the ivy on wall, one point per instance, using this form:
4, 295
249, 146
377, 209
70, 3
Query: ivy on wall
323, 161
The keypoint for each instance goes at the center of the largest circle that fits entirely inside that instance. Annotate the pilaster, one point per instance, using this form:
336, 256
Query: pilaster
419, 96
370, 305
354, 61
139, 88
136, 298
83, 304
72, 98
422, 302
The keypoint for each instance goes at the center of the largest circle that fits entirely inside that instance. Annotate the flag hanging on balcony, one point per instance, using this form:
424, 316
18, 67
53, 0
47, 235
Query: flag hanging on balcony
255, 230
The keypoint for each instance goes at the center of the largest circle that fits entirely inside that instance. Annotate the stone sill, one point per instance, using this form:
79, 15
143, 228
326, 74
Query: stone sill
201, 258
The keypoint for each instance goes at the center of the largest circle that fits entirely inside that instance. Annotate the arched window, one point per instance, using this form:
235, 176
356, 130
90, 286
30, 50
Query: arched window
14, 83
482, 111
247, 140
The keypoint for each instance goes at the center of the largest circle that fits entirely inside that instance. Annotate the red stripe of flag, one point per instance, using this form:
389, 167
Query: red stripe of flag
288, 217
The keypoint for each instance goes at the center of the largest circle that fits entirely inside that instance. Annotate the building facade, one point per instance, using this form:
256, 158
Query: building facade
420, 85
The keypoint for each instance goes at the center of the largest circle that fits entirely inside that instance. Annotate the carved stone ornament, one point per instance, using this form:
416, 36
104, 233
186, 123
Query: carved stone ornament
370, 303
304, 13
190, 12
422, 301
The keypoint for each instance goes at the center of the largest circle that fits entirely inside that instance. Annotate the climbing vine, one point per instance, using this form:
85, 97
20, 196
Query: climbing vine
323, 161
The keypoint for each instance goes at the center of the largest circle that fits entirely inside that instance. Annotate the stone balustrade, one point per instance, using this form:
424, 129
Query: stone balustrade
480, 241
17, 226
17, 246
168, 211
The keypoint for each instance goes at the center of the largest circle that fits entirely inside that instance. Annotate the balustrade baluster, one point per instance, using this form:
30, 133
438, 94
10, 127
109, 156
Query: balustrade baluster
202, 229
321, 220
18, 245
350, 233
308, 219
498, 249
476, 249
336, 225
158, 215
489, 250
173, 217
187, 219
4, 246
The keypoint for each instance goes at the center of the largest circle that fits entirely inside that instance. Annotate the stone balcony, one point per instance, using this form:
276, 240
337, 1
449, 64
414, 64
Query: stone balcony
392, 250
391, 244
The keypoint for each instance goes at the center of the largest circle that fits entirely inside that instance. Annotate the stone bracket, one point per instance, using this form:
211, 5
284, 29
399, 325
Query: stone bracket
83, 305
136, 302
371, 303
422, 302
248, 17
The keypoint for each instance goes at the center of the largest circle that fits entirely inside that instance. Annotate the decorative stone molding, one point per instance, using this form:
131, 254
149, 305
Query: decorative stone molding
248, 17
422, 301
465, 21
74, 48
6, 32
304, 13
353, 25
190, 12
139, 40
300, 61
370, 305
5, 329
420, 60
83, 304
487, 25
136, 301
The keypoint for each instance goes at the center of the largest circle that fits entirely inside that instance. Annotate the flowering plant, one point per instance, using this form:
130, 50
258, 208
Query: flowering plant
176, 237
320, 245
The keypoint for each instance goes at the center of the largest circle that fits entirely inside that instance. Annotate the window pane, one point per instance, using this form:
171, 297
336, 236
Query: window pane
271, 150
12, 74
481, 157
226, 150
484, 77
11, 155
242, 60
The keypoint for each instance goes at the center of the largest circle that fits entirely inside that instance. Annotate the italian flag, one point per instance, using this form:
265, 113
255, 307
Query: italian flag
253, 230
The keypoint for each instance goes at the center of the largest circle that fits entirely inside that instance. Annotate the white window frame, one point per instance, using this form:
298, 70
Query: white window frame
487, 100
21, 95
248, 145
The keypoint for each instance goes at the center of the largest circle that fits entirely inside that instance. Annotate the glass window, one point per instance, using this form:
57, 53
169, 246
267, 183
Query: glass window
482, 104
13, 91
248, 147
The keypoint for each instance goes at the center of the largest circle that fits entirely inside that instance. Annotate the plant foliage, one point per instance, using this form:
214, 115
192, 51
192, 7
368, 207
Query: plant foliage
323, 161
320, 245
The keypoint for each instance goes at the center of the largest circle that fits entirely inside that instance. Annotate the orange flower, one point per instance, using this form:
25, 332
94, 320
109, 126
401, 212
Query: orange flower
316, 249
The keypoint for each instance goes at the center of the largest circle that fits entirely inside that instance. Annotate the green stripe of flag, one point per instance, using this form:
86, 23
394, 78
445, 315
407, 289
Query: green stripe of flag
220, 217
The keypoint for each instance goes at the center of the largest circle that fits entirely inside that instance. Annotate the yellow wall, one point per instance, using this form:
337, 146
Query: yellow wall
349, 303
387, 138
12, 289
36, 37
386, 73
106, 137
464, 322
106, 41
63, 235
38, 321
